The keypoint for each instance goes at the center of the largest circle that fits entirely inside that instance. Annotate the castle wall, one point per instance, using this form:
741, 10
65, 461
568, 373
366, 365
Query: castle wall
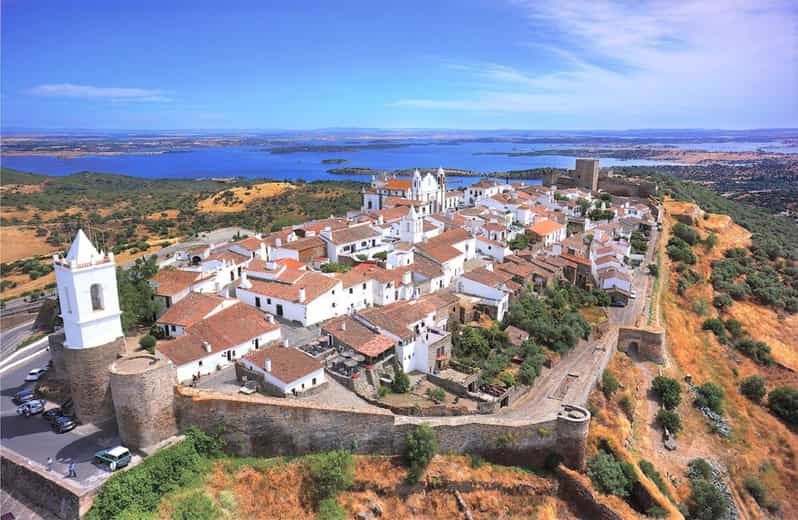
650, 344
56, 344
89, 379
266, 427
142, 388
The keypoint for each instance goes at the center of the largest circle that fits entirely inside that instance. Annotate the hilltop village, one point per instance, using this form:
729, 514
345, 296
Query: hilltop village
426, 306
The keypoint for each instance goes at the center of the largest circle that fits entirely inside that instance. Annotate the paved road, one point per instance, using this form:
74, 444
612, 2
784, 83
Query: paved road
32, 438
10, 338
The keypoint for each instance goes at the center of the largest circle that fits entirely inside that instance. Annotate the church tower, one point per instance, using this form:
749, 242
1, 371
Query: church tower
86, 280
441, 190
415, 190
92, 338
411, 227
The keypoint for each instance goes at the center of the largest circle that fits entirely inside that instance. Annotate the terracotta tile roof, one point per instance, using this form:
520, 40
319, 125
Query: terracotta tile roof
228, 256
392, 214
545, 227
493, 279
398, 317
402, 246
451, 237
287, 364
381, 275
399, 201
428, 226
353, 277
358, 337
353, 234
494, 226
172, 281
226, 329
301, 244
251, 243
438, 252
605, 260
606, 274
396, 184
516, 335
426, 268
576, 259
290, 263
315, 284
318, 225
191, 309
523, 270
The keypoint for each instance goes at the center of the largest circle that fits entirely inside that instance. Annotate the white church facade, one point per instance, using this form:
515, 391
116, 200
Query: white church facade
427, 192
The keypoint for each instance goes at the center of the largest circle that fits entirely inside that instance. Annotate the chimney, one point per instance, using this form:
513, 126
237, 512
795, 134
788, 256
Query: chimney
302, 295
489, 267
343, 324
244, 280
270, 318
271, 266
278, 242
267, 365
206, 346
407, 278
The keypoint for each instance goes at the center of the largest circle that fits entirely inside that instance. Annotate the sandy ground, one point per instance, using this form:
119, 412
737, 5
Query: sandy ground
18, 242
242, 196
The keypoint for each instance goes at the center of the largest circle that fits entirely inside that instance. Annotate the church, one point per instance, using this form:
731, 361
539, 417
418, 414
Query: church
426, 193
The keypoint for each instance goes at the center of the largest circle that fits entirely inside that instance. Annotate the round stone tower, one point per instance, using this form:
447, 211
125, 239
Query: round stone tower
142, 387
573, 423
93, 337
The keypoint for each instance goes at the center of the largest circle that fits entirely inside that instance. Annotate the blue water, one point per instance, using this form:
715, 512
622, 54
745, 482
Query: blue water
254, 162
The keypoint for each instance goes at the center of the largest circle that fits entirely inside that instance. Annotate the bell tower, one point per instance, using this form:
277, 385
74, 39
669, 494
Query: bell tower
86, 280
411, 227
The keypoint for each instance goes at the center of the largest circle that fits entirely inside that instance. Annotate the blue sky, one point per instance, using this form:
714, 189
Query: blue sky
537, 64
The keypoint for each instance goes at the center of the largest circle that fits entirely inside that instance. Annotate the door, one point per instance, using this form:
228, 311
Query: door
279, 309
257, 302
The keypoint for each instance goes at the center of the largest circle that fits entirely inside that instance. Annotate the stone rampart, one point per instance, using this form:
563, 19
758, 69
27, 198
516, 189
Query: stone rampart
89, 379
649, 344
575, 489
56, 344
265, 427
32, 484
142, 387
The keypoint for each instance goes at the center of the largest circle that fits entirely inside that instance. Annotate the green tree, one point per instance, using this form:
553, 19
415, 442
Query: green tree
195, 506
332, 473
330, 509
147, 342
783, 401
401, 383
753, 388
135, 293
710, 395
670, 420
706, 501
422, 445
722, 302
667, 391
609, 385
610, 475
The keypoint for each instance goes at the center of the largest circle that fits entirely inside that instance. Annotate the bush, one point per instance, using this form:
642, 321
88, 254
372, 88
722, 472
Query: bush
195, 506
667, 391
759, 351
401, 383
611, 476
783, 401
706, 502
735, 328
700, 468
332, 473
710, 395
753, 388
507, 379
700, 307
436, 394
722, 302
383, 391
147, 342
330, 509
653, 270
609, 385
670, 420
686, 233
757, 490
715, 325
626, 405
651, 472
422, 445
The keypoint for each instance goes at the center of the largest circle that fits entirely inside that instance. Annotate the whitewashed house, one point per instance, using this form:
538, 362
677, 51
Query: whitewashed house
286, 371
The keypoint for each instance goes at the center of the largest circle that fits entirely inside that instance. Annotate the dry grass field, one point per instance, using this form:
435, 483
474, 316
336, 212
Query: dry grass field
242, 195
19, 242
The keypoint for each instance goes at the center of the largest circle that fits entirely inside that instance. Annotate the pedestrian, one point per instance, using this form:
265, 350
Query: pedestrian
49, 464
73, 470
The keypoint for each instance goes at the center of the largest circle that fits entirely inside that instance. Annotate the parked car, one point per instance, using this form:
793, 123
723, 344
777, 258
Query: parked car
31, 407
64, 424
52, 414
23, 396
114, 458
35, 374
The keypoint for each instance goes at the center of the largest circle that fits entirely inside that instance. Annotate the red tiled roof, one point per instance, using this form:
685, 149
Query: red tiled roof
225, 329
490, 278
302, 244
172, 281
191, 309
315, 284
287, 364
358, 337
396, 184
438, 252
353, 234
251, 243
545, 227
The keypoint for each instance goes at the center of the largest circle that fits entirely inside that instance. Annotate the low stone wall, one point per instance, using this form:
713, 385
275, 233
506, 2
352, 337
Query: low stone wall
578, 494
453, 386
50, 491
266, 427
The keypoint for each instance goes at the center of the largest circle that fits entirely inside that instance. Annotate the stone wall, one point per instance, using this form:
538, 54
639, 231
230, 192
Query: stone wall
576, 491
649, 343
142, 388
31, 484
56, 344
89, 379
265, 427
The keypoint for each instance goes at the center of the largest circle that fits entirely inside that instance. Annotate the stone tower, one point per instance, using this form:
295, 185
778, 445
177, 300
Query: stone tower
93, 337
411, 227
587, 174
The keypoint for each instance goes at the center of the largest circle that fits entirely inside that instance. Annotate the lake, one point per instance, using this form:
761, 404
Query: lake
240, 161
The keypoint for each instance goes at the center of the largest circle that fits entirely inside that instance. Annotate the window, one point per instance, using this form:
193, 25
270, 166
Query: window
268, 301
364, 286
257, 301
174, 328
199, 363
97, 297
350, 291
333, 305
314, 380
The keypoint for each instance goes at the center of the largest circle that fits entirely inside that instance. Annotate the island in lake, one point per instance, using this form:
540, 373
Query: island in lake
334, 161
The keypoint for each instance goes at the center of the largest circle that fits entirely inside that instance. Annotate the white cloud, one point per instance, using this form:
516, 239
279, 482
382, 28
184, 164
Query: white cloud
72, 90
660, 63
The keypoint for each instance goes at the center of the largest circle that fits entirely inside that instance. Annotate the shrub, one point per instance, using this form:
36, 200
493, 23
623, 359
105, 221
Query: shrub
422, 445
722, 302
609, 385
332, 473
759, 351
334, 267
700, 468
715, 325
706, 502
147, 342
195, 506
686, 233
651, 472
401, 383
436, 394
626, 405
653, 270
610, 475
700, 307
330, 509
667, 391
753, 388
670, 420
383, 391
507, 379
783, 401
710, 395
735, 328
756, 489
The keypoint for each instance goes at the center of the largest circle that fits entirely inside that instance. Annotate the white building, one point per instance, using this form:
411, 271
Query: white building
354, 241
492, 287
86, 281
287, 371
